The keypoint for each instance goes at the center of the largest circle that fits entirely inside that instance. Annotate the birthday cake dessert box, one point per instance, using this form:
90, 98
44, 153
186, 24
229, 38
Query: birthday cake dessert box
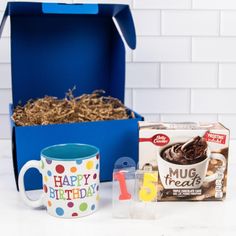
55, 47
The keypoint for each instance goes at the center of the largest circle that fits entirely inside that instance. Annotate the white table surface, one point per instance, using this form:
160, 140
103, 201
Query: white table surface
174, 218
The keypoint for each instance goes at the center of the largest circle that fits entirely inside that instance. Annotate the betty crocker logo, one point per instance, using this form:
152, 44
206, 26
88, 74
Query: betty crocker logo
157, 139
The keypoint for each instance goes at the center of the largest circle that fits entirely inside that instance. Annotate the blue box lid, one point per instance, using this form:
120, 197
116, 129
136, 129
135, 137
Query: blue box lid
56, 46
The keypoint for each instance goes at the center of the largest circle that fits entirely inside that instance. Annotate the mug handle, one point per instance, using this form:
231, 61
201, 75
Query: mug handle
28, 201
217, 156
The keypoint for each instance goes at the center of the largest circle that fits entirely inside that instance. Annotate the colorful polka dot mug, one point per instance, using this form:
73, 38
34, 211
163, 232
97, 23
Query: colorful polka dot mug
70, 180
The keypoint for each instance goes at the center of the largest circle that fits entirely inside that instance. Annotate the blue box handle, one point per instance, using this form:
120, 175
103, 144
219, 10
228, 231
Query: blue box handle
63, 8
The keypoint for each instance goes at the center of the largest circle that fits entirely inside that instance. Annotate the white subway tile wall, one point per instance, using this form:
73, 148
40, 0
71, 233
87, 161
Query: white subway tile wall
157, 49
190, 23
214, 49
189, 75
136, 75
5, 77
162, 4
214, 4
228, 19
5, 50
142, 20
213, 101
161, 100
184, 67
5, 98
229, 121
227, 75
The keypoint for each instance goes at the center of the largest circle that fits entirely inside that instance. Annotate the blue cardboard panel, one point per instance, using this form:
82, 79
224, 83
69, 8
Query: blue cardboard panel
117, 65
120, 11
114, 139
58, 63
63, 8
57, 46
125, 21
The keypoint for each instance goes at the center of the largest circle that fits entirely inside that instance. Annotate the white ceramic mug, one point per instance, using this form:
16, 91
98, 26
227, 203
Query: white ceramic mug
70, 180
192, 176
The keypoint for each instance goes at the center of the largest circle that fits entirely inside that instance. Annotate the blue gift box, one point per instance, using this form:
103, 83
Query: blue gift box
55, 47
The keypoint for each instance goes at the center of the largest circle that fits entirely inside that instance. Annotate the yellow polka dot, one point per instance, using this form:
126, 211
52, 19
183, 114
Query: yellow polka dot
49, 203
97, 198
89, 165
73, 169
42, 164
45, 178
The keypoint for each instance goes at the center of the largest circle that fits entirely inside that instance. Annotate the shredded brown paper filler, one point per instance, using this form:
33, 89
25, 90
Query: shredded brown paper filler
87, 107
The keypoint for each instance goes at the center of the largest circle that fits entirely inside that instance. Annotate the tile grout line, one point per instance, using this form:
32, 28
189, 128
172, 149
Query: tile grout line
160, 22
190, 101
180, 114
191, 50
132, 56
218, 76
218, 64
132, 99
171, 88
184, 9
160, 77
184, 36
174, 61
219, 19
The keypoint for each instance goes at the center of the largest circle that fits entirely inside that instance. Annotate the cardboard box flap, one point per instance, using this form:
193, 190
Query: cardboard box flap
55, 47
3, 20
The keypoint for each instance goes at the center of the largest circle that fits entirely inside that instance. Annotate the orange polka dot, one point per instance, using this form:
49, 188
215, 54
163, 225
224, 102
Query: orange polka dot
45, 188
73, 169
45, 178
49, 203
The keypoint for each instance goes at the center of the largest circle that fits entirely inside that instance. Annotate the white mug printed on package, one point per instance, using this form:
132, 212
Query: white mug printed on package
70, 175
187, 176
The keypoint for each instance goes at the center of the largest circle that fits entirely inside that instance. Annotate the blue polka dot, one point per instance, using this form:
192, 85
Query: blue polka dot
97, 166
79, 162
59, 211
92, 207
49, 173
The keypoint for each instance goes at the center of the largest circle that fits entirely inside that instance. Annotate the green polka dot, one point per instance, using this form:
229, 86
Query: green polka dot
42, 165
83, 206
